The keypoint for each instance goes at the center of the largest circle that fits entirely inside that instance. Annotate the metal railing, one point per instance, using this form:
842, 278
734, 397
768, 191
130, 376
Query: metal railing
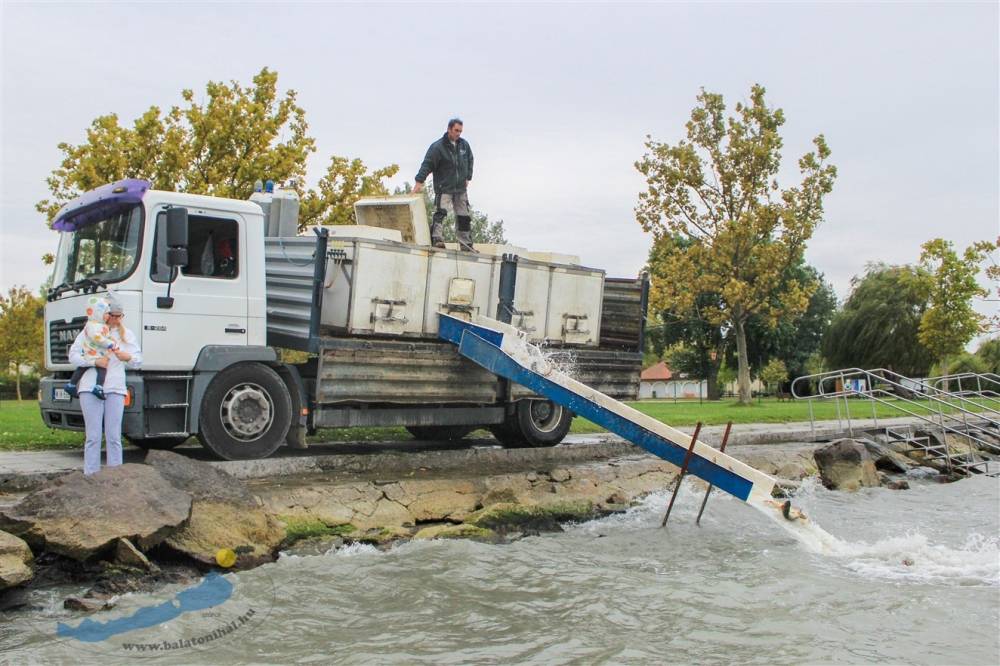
946, 411
982, 388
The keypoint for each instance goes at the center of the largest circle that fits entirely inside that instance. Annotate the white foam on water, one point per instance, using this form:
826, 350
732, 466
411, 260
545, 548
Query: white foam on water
909, 558
906, 558
354, 549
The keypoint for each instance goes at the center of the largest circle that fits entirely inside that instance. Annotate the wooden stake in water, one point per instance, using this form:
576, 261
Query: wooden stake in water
680, 477
722, 449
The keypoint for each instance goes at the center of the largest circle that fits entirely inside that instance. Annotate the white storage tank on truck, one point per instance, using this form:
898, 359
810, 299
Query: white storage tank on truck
214, 287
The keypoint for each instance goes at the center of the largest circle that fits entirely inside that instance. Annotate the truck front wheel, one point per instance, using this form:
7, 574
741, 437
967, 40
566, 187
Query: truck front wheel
246, 413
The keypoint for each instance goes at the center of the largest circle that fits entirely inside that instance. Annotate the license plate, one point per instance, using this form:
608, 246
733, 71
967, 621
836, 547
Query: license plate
60, 395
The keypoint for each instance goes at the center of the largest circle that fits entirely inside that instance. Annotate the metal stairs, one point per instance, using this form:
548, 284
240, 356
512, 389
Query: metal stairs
969, 415
935, 451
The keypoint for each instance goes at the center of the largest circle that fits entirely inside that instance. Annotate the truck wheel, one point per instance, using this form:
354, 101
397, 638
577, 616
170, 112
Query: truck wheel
157, 443
440, 433
535, 423
246, 413
543, 423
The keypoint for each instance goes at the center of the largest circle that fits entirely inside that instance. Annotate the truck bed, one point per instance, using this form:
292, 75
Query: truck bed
371, 369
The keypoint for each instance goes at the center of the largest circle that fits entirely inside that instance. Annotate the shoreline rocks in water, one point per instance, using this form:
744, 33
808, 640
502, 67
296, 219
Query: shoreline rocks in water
548, 493
111, 523
82, 517
846, 465
166, 520
15, 561
224, 514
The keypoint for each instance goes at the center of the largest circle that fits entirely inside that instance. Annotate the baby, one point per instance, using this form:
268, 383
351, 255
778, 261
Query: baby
97, 342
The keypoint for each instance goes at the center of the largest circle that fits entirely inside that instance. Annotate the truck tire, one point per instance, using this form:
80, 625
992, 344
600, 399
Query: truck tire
246, 413
440, 433
157, 443
535, 423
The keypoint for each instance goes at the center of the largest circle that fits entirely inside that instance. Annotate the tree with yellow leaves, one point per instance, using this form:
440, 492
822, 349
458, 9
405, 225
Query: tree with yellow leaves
218, 143
950, 320
723, 225
21, 341
345, 182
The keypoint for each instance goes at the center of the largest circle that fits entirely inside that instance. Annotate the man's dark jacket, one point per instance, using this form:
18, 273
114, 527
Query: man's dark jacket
451, 165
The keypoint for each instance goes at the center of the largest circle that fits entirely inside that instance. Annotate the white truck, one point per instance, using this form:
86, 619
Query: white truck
214, 287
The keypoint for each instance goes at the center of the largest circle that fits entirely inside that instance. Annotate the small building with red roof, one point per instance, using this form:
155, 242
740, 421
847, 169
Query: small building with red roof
659, 382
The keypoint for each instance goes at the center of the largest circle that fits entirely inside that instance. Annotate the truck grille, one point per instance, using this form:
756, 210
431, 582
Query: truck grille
61, 337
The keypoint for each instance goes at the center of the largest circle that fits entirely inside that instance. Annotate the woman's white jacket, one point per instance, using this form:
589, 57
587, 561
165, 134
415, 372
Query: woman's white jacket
114, 381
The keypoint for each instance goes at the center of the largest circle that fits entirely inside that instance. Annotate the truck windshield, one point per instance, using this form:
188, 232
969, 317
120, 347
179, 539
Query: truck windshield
106, 251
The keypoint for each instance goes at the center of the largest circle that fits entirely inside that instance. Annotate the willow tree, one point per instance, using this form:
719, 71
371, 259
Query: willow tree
877, 326
718, 191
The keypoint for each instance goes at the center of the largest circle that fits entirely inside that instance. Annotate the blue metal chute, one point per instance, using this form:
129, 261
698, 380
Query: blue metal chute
495, 346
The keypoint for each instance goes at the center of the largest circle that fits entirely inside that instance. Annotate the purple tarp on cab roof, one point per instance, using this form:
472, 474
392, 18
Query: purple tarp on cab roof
100, 204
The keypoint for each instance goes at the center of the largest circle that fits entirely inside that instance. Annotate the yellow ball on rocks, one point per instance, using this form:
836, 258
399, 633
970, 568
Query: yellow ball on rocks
225, 557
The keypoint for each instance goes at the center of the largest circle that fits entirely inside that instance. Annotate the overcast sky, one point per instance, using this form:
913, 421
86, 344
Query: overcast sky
557, 99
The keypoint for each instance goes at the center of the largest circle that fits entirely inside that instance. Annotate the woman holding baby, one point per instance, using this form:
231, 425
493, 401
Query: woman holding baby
103, 407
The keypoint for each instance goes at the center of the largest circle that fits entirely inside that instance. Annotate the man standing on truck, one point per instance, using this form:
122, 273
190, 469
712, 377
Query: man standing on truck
450, 160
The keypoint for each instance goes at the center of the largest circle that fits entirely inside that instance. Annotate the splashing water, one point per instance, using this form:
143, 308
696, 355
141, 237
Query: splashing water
910, 556
807, 532
354, 549
907, 557
529, 354
560, 360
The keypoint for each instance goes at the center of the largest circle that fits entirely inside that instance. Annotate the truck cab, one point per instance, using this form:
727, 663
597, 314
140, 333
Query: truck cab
191, 317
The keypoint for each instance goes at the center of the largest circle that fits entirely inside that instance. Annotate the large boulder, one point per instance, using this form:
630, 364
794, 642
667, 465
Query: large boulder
81, 517
846, 465
15, 561
224, 514
887, 459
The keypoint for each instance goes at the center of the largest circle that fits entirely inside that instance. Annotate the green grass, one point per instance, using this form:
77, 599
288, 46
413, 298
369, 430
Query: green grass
22, 429
768, 410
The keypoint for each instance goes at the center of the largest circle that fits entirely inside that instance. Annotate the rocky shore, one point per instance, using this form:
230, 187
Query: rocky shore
171, 519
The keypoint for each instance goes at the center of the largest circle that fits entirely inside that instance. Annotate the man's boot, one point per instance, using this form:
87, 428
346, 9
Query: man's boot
437, 238
463, 228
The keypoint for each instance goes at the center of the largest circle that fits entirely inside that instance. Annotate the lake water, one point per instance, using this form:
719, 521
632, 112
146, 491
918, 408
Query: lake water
906, 577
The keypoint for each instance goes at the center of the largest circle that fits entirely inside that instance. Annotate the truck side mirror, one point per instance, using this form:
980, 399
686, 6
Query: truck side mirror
177, 237
177, 256
177, 250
